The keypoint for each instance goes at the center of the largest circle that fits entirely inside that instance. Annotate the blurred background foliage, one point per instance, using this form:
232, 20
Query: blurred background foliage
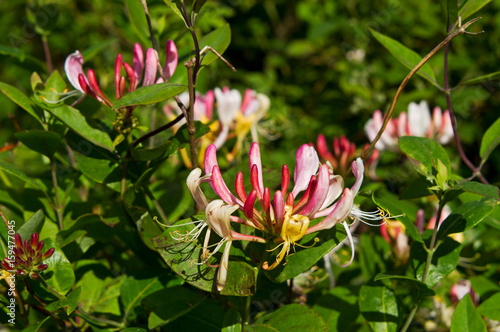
317, 60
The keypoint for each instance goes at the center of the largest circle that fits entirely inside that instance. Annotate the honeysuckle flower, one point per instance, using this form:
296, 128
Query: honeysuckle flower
344, 152
88, 84
418, 122
28, 257
282, 217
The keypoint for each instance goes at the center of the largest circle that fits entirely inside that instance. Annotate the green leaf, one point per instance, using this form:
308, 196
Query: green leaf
469, 7
175, 8
396, 213
166, 305
20, 99
68, 303
444, 260
406, 56
59, 274
35, 327
101, 169
340, 310
241, 277
466, 318
181, 137
137, 17
219, 40
374, 252
491, 307
304, 258
379, 306
150, 94
479, 189
150, 154
100, 295
133, 291
33, 225
465, 217
490, 141
426, 151
18, 173
451, 11
291, 317
422, 288
483, 78
44, 142
72, 118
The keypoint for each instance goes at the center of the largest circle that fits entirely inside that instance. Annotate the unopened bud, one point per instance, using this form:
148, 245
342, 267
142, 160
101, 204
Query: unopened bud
35, 237
48, 253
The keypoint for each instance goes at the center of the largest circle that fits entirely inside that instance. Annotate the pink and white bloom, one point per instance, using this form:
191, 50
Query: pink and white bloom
418, 122
317, 193
462, 288
88, 84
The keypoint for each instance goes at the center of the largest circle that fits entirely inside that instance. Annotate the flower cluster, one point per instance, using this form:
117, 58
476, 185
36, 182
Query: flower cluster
418, 122
88, 84
28, 257
236, 117
284, 217
344, 153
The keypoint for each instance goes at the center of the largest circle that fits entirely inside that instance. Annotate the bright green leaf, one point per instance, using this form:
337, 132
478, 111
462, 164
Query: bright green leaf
72, 118
68, 303
33, 225
291, 317
44, 142
490, 141
150, 94
20, 99
466, 318
59, 274
469, 7
426, 151
491, 307
406, 56
379, 306
466, 216
219, 40
137, 18
133, 291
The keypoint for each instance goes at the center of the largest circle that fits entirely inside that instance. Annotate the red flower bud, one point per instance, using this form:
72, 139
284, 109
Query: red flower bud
48, 253
33, 275
35, 237
19, 241
42, 267
39, 247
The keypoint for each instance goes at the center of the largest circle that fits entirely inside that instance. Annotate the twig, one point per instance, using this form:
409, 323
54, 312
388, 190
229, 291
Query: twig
46, 50
150, 27
388, 115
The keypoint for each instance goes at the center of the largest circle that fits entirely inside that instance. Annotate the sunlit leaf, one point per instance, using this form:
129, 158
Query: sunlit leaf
219, 40
150, 94
406, 56
20, 99
469, 7
291, 317
490, 141
426, 151
379, 306
466, 318
491, 307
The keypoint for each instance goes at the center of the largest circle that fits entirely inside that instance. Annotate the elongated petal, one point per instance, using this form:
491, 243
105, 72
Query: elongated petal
419, 118
171, 60
240, 188
320, 193
279, 209
334, 191
73, 68
221, 189
445, 134
223, 268
118, 74
247, 98
358, 169
322, 147
210, 158
193, 183
340, 212
306, 165
151, 66
218, 214
138, 63
249, 204
255, 160
349, 236
221, 139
